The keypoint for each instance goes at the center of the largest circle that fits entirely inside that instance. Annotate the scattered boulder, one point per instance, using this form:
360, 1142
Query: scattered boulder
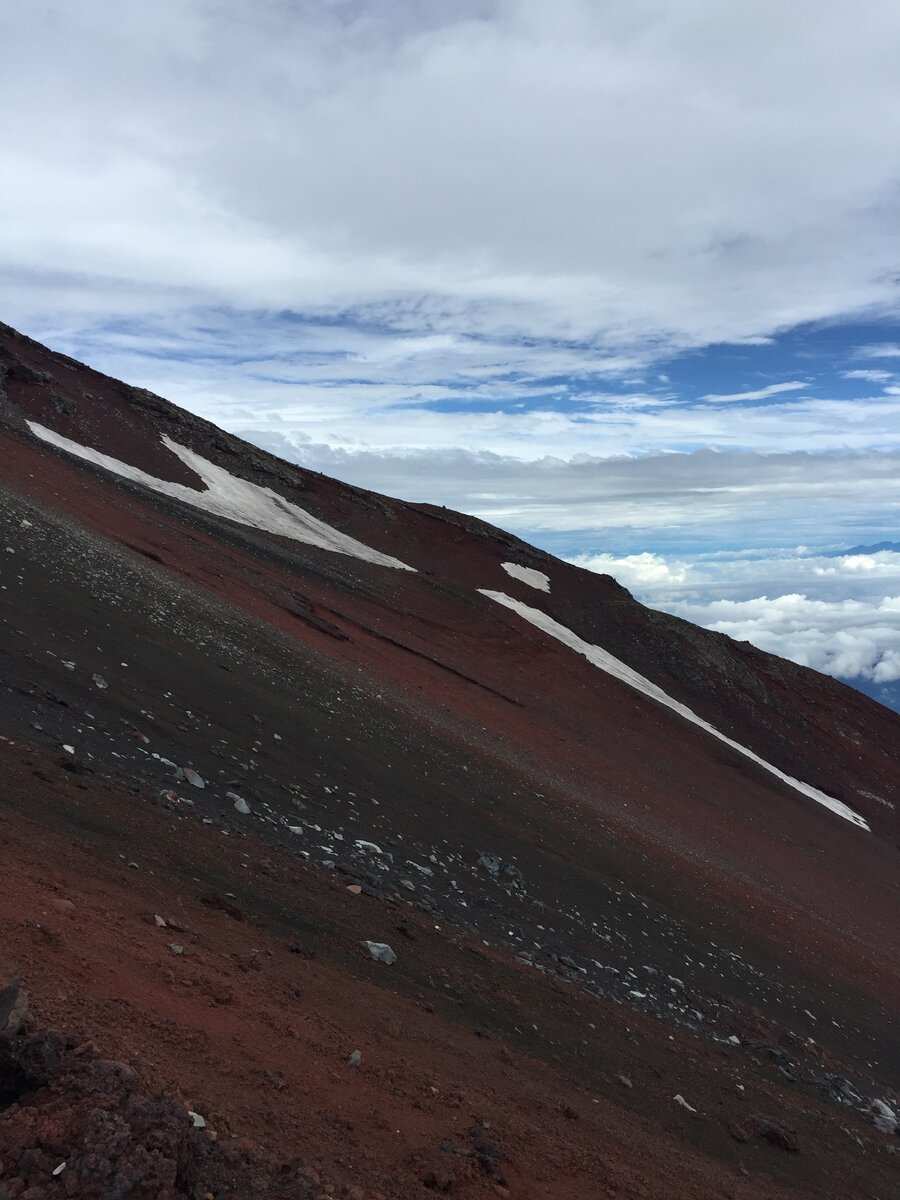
504, 873
883, 1117
739, 1132
381, 952
771, 1131
189, 775
224, 903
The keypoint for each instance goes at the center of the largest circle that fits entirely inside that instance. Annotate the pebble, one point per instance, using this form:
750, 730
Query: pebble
355, 1058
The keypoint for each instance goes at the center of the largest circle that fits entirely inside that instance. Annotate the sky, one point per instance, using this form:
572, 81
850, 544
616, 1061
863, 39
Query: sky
622, 276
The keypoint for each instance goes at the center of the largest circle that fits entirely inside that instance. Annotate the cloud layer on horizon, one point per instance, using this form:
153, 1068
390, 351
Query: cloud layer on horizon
838, 613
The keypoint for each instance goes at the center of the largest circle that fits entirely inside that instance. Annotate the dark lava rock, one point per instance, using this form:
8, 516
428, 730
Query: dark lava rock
785, 1139
739, 1132
71, 1108
76, 1127
435, 1172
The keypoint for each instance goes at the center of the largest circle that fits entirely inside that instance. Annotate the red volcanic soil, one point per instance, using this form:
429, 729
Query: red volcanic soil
581, 888
254, 1023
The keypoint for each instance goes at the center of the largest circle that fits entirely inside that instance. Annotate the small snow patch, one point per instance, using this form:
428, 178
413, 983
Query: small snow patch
535, 579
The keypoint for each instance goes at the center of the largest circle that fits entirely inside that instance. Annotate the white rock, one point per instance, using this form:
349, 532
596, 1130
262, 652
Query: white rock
884, 1117
381, 952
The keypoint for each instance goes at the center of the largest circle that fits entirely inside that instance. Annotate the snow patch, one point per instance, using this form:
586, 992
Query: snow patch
228, 496
535, 579
614, 666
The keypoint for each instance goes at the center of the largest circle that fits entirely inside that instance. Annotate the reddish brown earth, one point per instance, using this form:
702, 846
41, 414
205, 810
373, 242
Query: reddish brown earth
666, 895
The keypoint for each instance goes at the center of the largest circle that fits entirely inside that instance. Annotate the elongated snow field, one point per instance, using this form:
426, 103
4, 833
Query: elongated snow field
601, 658
228, 496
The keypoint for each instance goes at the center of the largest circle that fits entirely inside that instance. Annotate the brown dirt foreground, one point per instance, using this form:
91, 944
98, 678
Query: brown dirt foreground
461, 1087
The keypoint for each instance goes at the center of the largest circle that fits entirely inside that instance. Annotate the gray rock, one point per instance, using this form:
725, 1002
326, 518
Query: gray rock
240, 803
381, 952
883, 1117
491, 864
13, 1004
355, 1058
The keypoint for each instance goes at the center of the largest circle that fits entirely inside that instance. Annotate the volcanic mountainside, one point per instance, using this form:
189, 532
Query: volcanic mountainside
639, 882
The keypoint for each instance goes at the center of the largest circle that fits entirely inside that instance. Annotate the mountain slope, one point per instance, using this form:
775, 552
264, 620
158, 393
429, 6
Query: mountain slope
608, 800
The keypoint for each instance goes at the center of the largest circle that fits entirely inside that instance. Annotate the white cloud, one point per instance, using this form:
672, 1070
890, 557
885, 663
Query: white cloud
847, 638
838, 614
870, 375
880, 350
774, 389
636, 571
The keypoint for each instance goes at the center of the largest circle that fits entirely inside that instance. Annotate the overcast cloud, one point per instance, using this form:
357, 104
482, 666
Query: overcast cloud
615, 171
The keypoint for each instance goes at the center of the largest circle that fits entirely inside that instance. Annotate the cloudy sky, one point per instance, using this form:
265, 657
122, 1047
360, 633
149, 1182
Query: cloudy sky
619, 275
